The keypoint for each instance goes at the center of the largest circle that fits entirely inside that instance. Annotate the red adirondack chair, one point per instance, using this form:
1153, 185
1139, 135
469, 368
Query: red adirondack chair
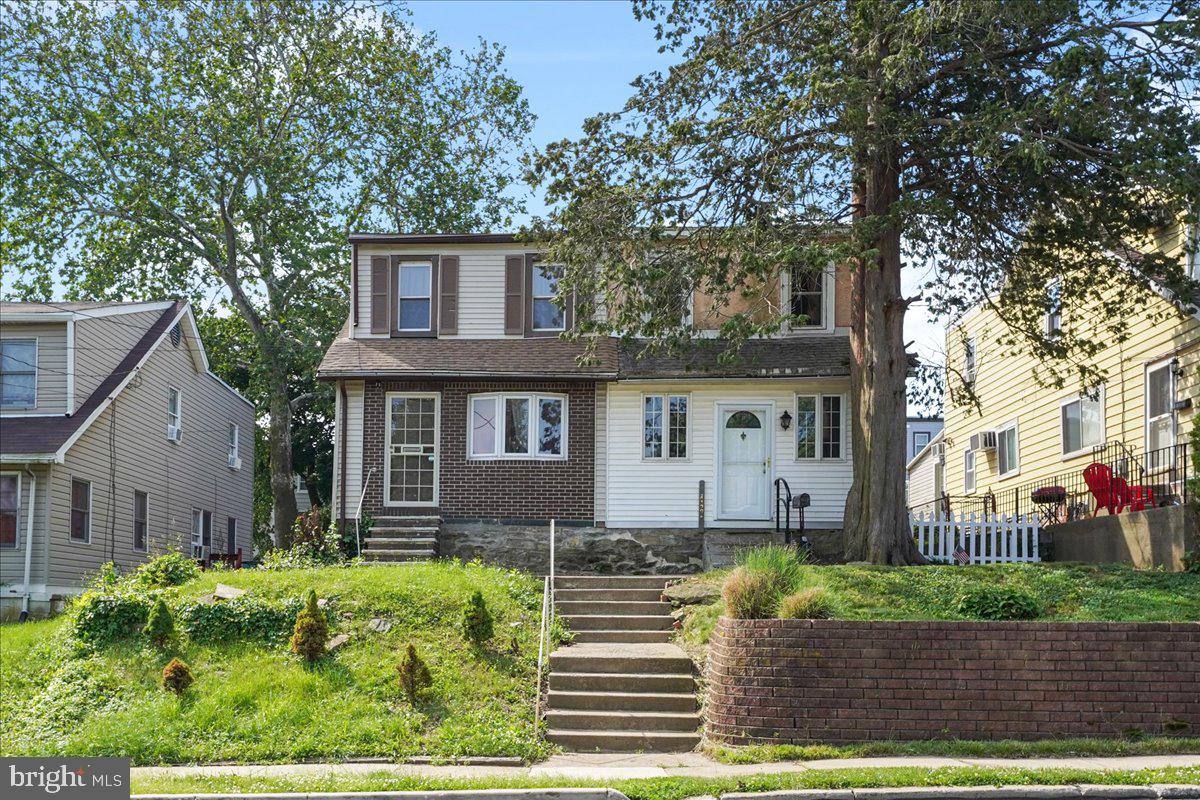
1101, 484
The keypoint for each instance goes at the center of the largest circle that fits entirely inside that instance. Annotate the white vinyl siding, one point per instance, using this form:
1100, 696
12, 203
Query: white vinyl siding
600, 495
354, 450
644, 493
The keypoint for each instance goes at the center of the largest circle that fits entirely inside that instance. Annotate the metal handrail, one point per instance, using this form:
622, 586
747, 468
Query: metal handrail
787, 504
358, 511
546, 610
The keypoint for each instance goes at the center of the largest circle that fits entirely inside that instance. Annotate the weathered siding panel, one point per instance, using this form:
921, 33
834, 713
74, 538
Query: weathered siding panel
178, 477
664, 493
12, 561
101, 343
51, 364
354, 449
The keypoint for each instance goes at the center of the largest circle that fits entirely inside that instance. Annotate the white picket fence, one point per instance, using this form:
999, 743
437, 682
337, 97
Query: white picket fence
986, 538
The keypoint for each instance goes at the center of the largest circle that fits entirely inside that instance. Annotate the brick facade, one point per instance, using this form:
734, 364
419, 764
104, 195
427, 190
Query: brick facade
506, 489
845, 681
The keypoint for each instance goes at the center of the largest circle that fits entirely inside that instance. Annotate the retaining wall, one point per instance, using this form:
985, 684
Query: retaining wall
846, 681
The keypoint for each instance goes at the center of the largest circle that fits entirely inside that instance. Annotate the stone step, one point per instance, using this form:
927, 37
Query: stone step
398, 555
641, 721
615, 682
623, 741
612, 581
643, 659
651, 595
612, 608
621, 637
396, 543
632, 622
684, 702
405, 530
407, 521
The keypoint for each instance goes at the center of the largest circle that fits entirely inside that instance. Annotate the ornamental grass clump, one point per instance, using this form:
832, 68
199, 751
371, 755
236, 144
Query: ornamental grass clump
750, 594
311, 631
784, 563
477, 623
160, 626
177, 676
414, 674
812, 603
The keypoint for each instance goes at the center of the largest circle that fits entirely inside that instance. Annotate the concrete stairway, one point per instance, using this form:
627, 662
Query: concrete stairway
402, 538
622, 686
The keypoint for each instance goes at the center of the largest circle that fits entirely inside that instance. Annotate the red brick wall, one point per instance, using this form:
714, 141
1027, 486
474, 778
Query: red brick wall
509, 489
846, 681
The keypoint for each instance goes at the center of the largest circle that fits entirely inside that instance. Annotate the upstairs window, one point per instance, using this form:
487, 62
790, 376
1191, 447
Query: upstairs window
820, 426
1081, 423
18, 373
1054, 308
174, 413
10, 508
808, 298
969, 358
546, 315
517, 426
414, 303
920, 440
235, 461
665, 426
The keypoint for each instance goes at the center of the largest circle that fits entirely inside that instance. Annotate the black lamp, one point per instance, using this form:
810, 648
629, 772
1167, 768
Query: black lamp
785, 420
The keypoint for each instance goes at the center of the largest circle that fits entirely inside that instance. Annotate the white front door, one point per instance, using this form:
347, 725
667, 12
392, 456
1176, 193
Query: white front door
745, 435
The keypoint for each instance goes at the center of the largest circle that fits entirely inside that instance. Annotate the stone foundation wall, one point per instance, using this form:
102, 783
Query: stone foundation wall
846, 681
625, 551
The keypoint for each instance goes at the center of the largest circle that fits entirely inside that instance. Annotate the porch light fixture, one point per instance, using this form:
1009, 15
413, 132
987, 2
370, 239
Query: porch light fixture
785, 420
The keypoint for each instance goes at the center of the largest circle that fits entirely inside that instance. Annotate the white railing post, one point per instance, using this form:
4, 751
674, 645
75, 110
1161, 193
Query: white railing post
552, 538
537, 702
358, 511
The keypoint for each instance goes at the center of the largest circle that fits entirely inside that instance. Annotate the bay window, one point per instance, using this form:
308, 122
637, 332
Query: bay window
512, 425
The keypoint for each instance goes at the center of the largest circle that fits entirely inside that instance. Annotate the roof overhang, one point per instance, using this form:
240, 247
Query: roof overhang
436, 238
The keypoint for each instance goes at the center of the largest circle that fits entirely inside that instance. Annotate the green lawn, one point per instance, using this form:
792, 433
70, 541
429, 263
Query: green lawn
1047, 748
1066, 592
256, 702
676, 788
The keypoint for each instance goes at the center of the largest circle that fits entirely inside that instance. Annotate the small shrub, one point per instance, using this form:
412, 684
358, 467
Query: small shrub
99, 619
1191, 562
170, 569
177, 676
414, 674
160, 627
811, 603
997, 603
312, 546
311, 631
785, 563
477, 620
750, 594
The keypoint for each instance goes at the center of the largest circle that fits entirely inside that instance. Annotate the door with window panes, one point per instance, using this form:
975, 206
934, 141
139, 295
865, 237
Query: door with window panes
412, 452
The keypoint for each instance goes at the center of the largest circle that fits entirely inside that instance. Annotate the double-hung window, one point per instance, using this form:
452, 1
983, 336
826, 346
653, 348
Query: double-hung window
969, 471
969, 359
1008, 458
1160, 406
546, 315
509, 425
807, 299
920, 440
1054, 307
234, 446
414, 302
665, 426
141, 516
18, 373
10, 508
174, 413
820, 426
201, 531
1081, 422
81, 511
231, 536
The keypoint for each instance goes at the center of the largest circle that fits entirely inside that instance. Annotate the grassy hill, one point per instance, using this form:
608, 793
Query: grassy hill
253, 701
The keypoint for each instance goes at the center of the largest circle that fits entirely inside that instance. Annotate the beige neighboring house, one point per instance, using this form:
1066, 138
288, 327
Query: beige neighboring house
116, 444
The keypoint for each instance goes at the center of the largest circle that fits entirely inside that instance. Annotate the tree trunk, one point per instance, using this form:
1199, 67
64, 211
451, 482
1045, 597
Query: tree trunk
279, 438
876, 519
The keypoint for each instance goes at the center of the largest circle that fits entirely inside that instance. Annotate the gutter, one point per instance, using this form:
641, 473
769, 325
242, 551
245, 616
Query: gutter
401, 376
28, 542
342, 459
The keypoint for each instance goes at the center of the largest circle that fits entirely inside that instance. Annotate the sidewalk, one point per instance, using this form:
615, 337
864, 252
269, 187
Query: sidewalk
619, 766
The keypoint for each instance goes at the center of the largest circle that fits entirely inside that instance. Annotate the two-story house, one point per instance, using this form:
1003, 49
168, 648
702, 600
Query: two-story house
465, 424
116, 443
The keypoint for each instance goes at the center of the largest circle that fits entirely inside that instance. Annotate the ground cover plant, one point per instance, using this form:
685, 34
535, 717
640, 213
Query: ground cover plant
90, 681
672, 788
1063, 592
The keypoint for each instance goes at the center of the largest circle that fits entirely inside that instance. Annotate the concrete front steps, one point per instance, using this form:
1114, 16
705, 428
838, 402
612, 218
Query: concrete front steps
622, 687
402, 538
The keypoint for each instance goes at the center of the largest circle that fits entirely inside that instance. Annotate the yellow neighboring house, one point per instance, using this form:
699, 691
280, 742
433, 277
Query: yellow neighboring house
1023, 435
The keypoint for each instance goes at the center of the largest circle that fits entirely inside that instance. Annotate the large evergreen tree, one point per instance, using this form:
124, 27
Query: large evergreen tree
223, 148
1008, 143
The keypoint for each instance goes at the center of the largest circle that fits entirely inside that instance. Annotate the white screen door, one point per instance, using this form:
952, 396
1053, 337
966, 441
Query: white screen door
745, 468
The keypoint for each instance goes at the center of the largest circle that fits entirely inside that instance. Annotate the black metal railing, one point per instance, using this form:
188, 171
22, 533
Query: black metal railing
787, 502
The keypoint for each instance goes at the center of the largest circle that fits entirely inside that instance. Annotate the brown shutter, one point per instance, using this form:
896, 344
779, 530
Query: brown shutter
514, 294
381, 295
448, 302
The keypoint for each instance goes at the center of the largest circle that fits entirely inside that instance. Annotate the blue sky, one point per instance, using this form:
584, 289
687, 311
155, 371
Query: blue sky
575, 59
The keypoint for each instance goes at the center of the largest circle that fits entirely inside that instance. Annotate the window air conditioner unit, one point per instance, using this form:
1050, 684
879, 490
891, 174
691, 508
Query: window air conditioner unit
235, 462
175, 433
939, 452
200, 551
984, 440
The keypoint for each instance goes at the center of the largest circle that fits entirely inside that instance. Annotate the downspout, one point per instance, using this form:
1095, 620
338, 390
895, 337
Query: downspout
28, 542
342, 460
